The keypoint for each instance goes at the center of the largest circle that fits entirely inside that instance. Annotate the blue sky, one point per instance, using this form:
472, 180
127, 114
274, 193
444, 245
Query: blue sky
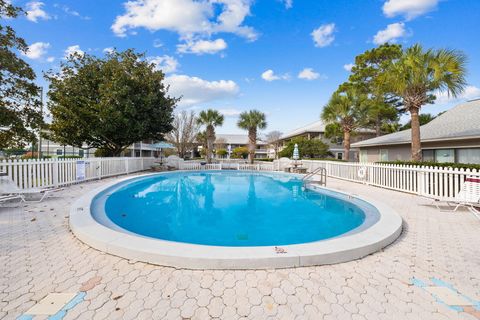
283, 57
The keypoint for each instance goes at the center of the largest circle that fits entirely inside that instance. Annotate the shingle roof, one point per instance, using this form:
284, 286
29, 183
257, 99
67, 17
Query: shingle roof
462, 121
317, 126
235, 138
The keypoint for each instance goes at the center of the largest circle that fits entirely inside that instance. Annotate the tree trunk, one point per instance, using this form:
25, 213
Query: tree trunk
210, 141
346, 144
378, 126
252, 144
416, 142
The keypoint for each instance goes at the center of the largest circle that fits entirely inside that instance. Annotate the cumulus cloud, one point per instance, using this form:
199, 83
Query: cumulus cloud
390, 34
324, 36
288, 3
308, 74
269, 76
470, 92
200, 47
165, 63
410, 9
186, 17
72, 50
35, 12
37, 50
348, 67
196, 91
108, 50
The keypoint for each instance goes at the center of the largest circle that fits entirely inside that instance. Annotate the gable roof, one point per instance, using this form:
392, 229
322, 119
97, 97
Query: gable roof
316, 127
460, 122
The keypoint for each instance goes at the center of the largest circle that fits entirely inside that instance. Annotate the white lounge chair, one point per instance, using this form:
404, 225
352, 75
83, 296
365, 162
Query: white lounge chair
9, 188
468, 196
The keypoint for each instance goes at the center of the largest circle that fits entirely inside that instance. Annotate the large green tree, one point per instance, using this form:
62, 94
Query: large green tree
417, 75
20, 108
210, 119
252, 121
348, 110
109, 103
384, 108
313, 148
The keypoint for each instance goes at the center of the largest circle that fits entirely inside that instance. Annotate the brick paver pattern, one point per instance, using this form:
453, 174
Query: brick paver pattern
39, 255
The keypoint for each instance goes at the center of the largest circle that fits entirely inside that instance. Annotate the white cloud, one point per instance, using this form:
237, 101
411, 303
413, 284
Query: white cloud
348, 67
323, 35
35, 12
186, 17
269, 76
410, 9
157, 43
51, 59
108, 50
165, 63
470, 92
197, 91
308, 74
288, 3
72, 50
391, 33
37, 50
230, 112
71, 12
202, 46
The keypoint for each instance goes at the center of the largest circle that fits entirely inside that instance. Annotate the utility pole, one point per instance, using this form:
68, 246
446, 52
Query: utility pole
40, 129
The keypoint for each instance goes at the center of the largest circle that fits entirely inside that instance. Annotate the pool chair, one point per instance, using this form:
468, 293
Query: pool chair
468, 197
8, 188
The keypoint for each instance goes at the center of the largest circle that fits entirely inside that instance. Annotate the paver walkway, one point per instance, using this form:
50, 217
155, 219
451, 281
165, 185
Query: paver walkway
39, 255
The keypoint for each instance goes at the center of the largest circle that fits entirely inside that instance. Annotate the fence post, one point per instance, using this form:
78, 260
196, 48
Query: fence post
55, 173
126, 166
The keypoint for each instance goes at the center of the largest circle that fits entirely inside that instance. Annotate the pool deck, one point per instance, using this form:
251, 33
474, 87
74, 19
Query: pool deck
437, 250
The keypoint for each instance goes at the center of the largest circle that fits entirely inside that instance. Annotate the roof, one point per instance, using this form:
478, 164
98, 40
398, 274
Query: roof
235, 139
460, 122
315, 127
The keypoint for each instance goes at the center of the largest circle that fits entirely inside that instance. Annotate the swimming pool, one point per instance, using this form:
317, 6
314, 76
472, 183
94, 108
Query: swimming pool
230, 219
229, 208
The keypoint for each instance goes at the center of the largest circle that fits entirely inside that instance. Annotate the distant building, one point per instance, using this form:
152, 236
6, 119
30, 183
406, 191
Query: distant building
223, 141
453, 136
316, 130
55, 149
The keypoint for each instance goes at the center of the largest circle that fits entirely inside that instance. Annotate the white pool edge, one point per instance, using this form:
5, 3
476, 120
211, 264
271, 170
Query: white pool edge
192, 256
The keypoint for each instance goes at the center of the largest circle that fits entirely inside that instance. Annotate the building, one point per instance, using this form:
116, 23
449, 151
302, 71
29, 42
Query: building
454, 136
223, 141
55, 149
316, 130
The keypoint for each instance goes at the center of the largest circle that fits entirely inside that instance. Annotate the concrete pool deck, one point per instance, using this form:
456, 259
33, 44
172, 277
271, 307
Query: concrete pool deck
39, 255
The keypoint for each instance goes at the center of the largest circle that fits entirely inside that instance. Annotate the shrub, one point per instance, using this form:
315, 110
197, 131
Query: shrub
240, 153
313, 148
434, 164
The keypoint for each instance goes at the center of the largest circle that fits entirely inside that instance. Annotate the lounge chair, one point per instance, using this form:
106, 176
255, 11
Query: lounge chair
9, 188
468, 196
8, 199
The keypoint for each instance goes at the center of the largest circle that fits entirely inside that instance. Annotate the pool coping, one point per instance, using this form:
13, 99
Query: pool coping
194, 256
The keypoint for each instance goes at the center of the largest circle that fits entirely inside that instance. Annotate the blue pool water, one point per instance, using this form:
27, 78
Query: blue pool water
228, 208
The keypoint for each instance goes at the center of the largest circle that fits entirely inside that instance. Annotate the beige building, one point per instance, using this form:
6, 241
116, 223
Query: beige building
453, 136
316, 130
232, 141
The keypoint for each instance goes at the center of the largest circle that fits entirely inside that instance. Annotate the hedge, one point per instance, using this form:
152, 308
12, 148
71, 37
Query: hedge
434, 164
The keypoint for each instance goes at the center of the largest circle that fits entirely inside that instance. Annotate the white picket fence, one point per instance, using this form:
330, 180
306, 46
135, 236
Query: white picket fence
197, 165
59, 172
433, 182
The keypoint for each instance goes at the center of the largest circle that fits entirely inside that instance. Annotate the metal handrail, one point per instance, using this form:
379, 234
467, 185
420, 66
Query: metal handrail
319, 171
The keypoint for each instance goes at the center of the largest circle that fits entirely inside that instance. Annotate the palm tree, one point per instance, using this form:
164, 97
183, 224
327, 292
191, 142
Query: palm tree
252, 121
417, 74
210, 119
347, 109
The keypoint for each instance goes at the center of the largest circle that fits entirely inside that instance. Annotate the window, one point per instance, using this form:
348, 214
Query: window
59, 152
445, 155
383, 154
340, 155
428, 155
468, 155
81, 153
363, 156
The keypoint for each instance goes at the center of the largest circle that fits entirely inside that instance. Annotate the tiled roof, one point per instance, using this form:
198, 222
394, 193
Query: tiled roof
462, 121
